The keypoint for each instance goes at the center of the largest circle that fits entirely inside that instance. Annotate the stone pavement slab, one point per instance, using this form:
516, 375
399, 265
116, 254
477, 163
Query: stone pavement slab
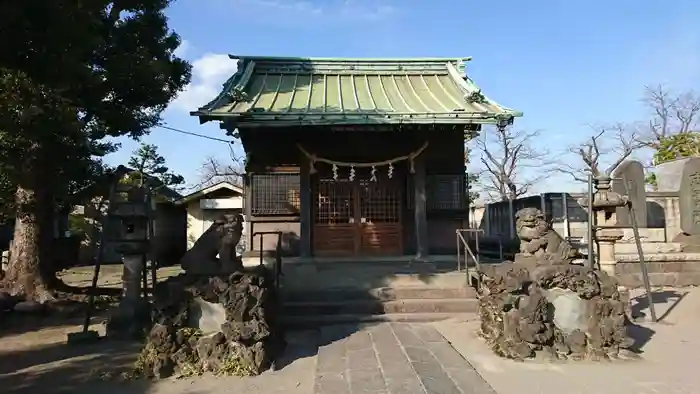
669, 363
392, 358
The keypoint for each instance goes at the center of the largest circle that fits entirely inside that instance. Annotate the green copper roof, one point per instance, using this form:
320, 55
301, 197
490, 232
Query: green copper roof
267, 91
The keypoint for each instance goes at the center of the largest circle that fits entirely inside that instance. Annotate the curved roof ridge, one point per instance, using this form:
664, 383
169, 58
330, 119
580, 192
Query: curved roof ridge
290, 59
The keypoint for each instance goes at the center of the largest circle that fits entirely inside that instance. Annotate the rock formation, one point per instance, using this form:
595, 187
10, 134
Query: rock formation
245, 343
543, 302
216, 317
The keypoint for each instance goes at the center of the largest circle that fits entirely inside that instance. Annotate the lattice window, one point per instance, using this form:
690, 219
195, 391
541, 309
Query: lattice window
443, 192
334, 202
275, 194
379, 203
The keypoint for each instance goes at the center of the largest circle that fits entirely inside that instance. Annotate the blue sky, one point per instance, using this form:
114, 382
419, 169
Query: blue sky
565, 64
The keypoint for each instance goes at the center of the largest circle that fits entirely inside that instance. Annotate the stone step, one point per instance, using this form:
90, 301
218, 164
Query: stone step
378, 294
375, 307
306, 322
659, 257
648, 247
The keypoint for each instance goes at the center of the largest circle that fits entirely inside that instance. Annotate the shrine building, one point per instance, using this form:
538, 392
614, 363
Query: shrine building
354, 158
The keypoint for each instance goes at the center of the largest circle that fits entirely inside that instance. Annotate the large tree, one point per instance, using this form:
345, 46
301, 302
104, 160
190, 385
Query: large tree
71, 74
512, 162
600, 153
148, 163
214, 170
673, 131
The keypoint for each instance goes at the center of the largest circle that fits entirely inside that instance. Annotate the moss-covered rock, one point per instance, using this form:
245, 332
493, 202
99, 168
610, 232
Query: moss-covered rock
246, 343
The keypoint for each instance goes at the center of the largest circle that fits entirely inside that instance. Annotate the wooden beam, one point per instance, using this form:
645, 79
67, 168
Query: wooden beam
421, 221
305, 203
248, 210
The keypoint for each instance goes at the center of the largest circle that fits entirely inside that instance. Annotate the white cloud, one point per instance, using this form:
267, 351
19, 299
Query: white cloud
209, 72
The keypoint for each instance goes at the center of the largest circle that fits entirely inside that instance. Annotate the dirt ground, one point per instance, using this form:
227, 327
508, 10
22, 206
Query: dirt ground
35, 358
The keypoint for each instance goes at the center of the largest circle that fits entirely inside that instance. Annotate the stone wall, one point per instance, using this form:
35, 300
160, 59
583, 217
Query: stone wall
672, 269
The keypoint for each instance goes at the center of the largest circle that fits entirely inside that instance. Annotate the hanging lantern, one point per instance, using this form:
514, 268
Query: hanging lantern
390, 173
373, 178
352, 173
335, 172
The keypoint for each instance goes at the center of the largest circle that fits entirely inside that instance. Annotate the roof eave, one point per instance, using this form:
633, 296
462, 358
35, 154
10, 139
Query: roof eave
344, 120
349, 60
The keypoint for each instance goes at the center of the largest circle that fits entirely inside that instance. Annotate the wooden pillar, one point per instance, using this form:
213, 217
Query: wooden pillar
421, 220
305, 199
248, 210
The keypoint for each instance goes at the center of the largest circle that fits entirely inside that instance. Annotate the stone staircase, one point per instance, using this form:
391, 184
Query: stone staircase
413, 304
330, 293
648, 247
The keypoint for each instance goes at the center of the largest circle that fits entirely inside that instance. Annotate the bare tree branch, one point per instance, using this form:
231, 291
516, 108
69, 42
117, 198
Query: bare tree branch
214, 170
506, 154
601, 153
671, 114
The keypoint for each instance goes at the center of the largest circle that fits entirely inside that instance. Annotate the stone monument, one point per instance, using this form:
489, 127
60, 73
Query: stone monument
544, 303
690, 197
633, 172
681, 176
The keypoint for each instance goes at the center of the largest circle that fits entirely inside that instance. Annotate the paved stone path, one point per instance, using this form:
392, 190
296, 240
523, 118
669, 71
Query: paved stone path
392, 358
669, 363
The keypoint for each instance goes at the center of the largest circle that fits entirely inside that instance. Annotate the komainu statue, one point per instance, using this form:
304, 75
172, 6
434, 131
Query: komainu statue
539, 240
215, 250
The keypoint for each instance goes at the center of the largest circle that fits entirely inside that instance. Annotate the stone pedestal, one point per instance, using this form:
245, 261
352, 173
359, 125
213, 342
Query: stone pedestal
133, 271
132, 316
560, 311
606, 248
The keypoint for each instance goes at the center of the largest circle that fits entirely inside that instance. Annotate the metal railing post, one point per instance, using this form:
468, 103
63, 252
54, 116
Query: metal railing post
459, 257
500, 249
642, 262
591, 219
478, 249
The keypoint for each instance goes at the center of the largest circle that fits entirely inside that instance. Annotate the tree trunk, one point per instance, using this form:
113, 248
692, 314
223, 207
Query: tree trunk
26, 277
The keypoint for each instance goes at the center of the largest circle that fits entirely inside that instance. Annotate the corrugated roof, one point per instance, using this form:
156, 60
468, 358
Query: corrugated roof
299, 91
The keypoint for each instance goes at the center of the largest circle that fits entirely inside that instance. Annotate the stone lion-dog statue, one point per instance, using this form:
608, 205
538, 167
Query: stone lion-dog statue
539, 240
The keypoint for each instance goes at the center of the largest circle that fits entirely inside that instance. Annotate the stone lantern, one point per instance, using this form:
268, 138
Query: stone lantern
605, 204
133, 244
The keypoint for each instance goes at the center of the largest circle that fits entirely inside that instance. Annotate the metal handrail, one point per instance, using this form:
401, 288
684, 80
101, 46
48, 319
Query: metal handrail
277, 270
467, 250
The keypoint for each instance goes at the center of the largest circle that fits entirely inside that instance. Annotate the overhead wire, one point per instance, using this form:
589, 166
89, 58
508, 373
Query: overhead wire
230, 142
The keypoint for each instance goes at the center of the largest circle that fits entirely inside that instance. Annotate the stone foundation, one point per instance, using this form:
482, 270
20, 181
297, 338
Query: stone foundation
559, 311
246, 343
665, 269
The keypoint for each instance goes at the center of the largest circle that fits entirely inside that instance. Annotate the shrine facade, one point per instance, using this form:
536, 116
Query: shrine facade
354, 157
